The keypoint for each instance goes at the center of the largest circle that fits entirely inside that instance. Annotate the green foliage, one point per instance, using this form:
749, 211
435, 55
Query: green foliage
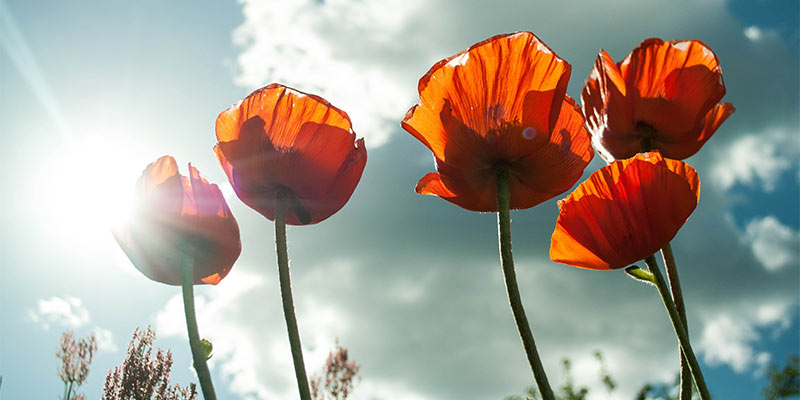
208, 348
784, 382
605, 377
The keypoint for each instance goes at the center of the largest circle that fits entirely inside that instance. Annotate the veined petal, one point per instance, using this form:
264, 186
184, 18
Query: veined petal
338, 194
283, 111
432, 184
281, 141
177, 218
507, 80
681, 147
556, 166
624, 212
674, 84
605, 104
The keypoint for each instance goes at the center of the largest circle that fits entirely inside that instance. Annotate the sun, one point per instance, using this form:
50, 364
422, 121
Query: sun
83, 188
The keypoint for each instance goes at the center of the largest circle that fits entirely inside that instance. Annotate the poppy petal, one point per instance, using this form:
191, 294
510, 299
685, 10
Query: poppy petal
607, 109
507, 80
425, 124
691, 144
280, 140
564, 157
624, 212
472, 189
179, 217
673, 84
432, 184
339, 192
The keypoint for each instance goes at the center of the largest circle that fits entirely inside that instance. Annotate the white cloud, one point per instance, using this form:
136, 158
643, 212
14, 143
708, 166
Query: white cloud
238, 346
774, 244
756, 34
309, 45
105, 340
726, 340
752, 33
731, 338
758, 158
68, 312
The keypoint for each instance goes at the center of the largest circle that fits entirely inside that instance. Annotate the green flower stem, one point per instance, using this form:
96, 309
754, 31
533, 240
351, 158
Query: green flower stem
286, 296
680, 331
507, 262
677, 297
200, 366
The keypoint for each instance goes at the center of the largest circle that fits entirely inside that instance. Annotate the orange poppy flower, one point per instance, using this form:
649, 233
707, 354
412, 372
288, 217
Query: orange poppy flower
500, 103
664, 96
176, 215
279, 140
624, 212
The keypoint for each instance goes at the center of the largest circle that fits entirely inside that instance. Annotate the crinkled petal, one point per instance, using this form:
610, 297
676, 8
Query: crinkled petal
507, 80
280, 140
177, 218
624, 212
672, 84
556, 166
678, 149
323, 206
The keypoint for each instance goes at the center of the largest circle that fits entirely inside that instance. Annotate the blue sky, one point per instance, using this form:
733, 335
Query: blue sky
91, 92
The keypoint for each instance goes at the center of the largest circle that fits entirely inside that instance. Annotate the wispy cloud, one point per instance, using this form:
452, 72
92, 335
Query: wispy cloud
757, 159
67, 312
732, 338
774, 244
342, 50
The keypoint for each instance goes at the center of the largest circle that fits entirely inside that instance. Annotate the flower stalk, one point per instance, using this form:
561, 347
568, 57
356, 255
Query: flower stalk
286, 295
677, 297
677, 325
198, 356
510, 278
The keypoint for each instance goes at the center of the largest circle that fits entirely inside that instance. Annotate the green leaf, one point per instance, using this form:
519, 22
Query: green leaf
208, 348
640, 274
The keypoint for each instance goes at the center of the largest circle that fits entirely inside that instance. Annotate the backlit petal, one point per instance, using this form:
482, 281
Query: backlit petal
673, 84
280, 140
659, 97
624, 212
557, 165
500, 104
177, 218
506, 80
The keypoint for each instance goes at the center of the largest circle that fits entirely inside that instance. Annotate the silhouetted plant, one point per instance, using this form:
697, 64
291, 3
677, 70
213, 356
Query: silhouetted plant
605, 377
141, 377
783, 383
75, 356
340, 376
568, 391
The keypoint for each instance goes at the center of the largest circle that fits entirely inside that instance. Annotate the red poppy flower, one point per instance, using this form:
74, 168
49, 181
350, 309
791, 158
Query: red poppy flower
664, 96
279, 140
624, 212
176, 216
500, 103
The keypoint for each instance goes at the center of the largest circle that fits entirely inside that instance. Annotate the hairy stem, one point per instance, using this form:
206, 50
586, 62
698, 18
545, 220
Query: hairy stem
286, 296
677, 297
507, 263
680, 331
198, 356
